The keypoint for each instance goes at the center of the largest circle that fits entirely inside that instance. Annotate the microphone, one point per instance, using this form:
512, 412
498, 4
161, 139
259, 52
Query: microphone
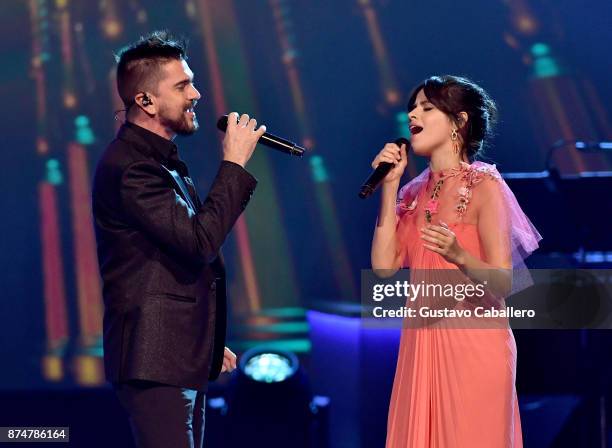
379, 173
270, 140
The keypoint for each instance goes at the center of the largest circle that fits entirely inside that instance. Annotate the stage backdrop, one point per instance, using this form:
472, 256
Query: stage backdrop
334, 76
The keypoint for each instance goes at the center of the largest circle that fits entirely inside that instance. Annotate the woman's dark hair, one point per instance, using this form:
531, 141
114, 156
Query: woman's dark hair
139, 65
454, 94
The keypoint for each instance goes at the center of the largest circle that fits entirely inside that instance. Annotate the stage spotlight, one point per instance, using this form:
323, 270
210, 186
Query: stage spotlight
269, 403
270, 367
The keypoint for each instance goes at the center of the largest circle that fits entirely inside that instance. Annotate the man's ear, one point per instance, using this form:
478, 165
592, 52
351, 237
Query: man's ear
146, 103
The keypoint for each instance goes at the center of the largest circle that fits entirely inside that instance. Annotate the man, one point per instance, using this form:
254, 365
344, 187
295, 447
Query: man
158, 247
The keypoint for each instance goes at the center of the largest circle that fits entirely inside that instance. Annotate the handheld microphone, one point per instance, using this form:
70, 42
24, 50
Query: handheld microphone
379, 173
270, 140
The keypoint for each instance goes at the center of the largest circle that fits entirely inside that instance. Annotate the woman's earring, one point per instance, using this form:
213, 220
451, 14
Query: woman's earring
455, 139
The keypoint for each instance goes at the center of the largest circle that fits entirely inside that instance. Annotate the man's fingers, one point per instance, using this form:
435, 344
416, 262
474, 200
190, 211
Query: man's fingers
232, 119
244, 120
260, 131
229, 359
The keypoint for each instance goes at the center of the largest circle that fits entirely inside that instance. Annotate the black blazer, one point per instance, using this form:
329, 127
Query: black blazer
159, 254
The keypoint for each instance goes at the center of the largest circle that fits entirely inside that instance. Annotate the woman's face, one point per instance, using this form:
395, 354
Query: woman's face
430, 128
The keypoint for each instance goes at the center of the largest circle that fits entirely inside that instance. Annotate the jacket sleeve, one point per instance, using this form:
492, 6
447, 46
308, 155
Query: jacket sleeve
156, 209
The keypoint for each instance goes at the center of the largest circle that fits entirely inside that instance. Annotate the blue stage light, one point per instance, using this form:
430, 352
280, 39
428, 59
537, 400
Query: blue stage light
269, 367
270, 403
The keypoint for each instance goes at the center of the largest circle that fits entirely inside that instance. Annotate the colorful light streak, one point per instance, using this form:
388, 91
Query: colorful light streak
89, 289
564, 110
269, 281
331, 227
56, 320
388, 86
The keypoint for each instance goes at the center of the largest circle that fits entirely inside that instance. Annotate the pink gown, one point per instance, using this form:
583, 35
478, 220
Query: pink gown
455, 387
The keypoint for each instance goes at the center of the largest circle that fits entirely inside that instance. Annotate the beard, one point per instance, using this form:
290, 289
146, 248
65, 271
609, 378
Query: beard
178, 121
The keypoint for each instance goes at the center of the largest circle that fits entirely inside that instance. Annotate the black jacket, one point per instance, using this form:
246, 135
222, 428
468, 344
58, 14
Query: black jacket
159, 254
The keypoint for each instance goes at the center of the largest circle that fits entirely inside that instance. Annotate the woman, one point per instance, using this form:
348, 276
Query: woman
454, 386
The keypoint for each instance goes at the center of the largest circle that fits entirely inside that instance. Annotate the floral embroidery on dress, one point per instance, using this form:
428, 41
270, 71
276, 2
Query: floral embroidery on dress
470, 176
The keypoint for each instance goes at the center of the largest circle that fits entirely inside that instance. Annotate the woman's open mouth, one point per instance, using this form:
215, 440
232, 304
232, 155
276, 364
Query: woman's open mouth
414, 129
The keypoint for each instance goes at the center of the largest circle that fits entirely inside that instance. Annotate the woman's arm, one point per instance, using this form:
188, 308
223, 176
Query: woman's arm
384, 254
494, 233
384, 244
496, 274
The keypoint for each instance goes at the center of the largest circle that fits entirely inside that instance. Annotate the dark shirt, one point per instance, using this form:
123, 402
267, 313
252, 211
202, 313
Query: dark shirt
162, 149
166, 152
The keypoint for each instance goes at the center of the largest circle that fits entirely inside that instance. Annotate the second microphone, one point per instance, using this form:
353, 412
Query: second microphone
270, 140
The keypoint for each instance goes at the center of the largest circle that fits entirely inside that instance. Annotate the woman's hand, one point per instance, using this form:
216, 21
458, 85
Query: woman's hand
442, 240
392, 153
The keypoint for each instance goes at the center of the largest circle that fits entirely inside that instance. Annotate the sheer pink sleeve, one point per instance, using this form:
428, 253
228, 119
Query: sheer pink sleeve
409, 192
507, 235
493, 224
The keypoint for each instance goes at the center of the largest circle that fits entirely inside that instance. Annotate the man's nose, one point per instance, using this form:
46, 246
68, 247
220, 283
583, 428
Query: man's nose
196, 94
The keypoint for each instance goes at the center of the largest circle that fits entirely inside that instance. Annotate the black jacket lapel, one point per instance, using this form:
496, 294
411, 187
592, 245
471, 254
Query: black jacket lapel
181, 184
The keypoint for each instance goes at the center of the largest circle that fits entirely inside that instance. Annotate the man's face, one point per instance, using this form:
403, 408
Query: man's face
177, 98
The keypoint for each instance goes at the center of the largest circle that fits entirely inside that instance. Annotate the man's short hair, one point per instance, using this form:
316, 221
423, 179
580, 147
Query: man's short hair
139, 65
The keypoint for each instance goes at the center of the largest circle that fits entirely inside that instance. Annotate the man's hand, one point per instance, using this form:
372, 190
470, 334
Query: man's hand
229, 360
240, 138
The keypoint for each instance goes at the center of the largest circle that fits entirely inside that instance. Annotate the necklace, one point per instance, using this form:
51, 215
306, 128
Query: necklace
431, 208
